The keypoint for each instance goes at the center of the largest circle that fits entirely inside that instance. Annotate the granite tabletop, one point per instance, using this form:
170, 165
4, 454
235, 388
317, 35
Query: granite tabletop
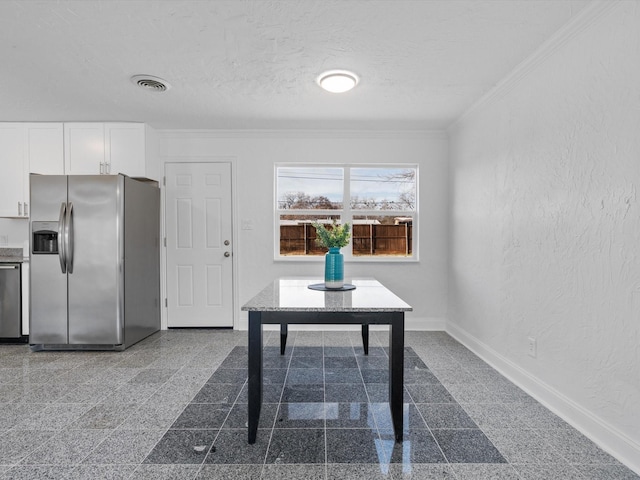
11, 255
293, 294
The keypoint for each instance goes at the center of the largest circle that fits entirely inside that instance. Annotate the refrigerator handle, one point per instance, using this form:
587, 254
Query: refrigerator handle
69, 237
61, 242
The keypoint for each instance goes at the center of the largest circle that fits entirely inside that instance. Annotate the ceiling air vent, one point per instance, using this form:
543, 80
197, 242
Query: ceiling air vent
151, 83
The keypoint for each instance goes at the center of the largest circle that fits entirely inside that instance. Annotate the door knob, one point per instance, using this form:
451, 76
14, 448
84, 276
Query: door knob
227, 254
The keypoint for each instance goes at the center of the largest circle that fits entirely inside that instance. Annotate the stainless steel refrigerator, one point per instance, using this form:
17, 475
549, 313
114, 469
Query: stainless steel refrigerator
94, 257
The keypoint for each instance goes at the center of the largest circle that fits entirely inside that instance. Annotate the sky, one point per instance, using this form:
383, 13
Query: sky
328, 181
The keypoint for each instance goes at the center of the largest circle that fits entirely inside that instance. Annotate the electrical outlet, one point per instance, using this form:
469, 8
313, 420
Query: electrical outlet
531, 347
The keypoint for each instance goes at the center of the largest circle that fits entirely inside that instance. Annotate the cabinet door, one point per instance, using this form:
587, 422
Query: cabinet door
45, 148
125, 148
13, 162
44, 152
83, 148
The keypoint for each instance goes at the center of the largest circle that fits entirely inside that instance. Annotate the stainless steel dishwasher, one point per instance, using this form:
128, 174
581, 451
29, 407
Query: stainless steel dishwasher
10, 301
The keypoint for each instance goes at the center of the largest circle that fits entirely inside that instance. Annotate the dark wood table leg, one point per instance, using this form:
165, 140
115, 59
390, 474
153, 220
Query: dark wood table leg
284, 330
365, 338
396, 372
255, 373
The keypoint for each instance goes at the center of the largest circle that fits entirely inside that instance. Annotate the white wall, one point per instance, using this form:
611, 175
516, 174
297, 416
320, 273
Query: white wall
545, 226
17, 232
423, 285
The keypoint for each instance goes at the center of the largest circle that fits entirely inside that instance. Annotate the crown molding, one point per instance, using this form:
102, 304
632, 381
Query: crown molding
588, 16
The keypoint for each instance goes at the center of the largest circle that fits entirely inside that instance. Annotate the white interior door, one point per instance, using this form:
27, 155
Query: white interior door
199, 245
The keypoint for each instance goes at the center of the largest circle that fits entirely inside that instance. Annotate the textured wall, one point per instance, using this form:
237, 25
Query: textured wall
545, 221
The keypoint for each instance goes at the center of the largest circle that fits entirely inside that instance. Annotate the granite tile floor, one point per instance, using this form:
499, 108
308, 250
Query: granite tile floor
174, 407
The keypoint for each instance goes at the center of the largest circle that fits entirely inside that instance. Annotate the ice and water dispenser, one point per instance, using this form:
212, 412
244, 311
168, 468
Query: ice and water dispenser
44, 238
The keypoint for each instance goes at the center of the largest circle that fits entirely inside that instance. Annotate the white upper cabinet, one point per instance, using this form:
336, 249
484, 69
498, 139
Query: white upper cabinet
124, 148
26, 148
104, 148
45, 145
69, 148
84, 148
15, 168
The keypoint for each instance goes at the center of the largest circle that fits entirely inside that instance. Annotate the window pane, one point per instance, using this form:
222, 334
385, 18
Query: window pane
383, 188
298, 236
302, 188
382, 235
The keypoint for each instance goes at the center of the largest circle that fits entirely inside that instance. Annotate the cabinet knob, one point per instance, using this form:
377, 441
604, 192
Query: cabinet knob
227, 254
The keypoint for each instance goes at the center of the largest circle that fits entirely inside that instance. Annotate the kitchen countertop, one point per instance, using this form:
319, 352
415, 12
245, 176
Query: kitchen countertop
11, 255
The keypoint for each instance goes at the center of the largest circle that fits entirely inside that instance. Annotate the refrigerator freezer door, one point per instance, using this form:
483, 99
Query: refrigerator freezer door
48, 285
95, 297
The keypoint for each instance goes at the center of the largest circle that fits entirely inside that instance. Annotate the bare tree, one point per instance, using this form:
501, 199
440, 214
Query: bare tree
303, 201
407, 178
323, 203
364, 203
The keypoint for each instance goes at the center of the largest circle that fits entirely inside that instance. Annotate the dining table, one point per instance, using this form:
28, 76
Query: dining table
304, 300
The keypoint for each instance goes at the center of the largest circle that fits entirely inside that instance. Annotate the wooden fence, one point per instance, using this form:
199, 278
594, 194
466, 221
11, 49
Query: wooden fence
365, 239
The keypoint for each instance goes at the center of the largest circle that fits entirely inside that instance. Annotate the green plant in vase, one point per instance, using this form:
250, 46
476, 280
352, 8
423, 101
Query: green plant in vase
334, 239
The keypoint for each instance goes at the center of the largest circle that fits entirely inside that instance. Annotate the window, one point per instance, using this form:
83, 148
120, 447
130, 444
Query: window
378, 201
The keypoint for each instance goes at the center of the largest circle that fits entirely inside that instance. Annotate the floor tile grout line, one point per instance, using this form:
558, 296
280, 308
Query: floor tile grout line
508, 406
460, 363
190, 403
235, 402
477, 425
275, 419
324, 397
366, 391
448, 463
201, 465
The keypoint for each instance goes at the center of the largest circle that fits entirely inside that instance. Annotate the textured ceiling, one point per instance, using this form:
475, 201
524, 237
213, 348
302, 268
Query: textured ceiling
253, 63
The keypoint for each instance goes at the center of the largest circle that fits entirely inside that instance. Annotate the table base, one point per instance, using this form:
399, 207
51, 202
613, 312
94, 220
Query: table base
396, 353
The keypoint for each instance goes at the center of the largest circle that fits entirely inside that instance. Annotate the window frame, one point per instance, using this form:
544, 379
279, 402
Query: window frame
346, 214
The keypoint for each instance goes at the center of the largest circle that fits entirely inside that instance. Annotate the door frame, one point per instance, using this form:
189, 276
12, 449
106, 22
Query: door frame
232, 160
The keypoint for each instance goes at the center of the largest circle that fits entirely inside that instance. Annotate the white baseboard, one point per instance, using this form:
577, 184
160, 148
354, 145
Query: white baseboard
425, 324
604, 435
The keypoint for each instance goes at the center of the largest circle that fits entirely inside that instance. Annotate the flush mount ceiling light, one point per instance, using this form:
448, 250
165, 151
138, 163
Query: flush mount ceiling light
151, 83
338, 81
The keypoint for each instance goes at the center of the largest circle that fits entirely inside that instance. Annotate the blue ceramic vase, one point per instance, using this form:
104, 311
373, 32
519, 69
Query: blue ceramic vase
334, 269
